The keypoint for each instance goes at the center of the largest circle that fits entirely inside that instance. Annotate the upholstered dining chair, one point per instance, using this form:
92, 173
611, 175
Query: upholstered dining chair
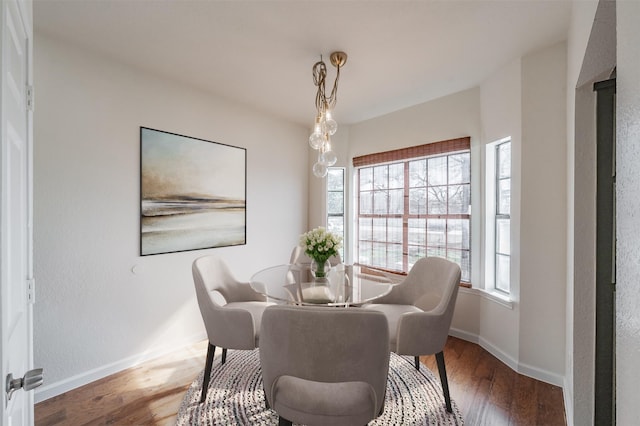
324, 366
231, 310
419, 311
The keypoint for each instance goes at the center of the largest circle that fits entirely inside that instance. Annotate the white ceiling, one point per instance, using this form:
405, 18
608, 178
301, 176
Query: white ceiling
261, 53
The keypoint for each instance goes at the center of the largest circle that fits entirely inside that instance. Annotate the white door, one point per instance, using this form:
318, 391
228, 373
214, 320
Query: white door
15, 214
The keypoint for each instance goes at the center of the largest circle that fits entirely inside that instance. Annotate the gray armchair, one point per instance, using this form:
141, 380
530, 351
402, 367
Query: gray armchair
231, 310
324, 366
419, 311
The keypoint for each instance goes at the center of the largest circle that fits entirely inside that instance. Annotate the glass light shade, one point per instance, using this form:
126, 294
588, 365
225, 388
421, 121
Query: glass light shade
321, 157
329, 158
330, 125
320, 170
322, 127
316, 140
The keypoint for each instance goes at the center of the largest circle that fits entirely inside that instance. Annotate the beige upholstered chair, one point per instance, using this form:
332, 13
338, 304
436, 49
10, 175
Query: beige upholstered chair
231, 310
324, 366
420, 310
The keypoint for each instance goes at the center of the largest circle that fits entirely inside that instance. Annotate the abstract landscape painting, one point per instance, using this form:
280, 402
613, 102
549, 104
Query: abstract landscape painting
192, 193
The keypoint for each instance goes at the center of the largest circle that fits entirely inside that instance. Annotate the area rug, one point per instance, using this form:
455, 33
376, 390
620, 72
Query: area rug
235, 396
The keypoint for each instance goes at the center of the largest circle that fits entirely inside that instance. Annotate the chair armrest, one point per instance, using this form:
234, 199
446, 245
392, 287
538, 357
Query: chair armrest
232, 328
422, 333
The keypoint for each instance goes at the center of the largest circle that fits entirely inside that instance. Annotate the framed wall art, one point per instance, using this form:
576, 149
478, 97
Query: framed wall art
192, 193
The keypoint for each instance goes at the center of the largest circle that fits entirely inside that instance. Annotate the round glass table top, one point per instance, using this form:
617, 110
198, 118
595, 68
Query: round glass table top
344, 285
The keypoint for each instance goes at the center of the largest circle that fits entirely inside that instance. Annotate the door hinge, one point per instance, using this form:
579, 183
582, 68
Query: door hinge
31, 290
30, 98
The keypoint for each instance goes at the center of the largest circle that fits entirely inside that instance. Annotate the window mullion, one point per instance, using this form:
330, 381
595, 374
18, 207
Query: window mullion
446, 203
496, 255
401, 249
405, 220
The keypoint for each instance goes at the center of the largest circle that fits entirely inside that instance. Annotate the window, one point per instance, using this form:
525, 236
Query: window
499, 216
335, 202
415, 204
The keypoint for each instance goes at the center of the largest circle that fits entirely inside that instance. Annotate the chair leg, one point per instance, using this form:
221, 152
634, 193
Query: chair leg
443, 379
224, 355
207, 372
416, 360
284, 422
266, 401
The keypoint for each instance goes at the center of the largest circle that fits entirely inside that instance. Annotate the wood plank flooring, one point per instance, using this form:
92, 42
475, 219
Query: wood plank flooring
148, 394
490, 393
486, 391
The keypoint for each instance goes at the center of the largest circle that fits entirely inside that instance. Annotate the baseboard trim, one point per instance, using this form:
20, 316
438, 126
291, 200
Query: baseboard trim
54, 389
542, 375
568, 401
514, 364
464, 335
500, 354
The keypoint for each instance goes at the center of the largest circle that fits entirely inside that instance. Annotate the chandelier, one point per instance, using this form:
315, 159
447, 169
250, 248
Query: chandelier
325, 126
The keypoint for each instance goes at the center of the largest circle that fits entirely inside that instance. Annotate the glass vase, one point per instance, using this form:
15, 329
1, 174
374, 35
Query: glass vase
320, 269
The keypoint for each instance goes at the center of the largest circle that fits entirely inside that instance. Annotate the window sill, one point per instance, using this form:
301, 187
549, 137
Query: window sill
495, 297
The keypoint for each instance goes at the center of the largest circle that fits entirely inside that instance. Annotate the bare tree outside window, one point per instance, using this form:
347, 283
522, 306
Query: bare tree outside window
415, 208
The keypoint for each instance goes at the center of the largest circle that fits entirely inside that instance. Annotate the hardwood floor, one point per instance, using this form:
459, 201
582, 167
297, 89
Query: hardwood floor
486, 391
490, 393
148, 394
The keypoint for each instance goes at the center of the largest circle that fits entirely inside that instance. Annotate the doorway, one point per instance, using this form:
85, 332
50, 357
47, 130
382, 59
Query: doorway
604, 413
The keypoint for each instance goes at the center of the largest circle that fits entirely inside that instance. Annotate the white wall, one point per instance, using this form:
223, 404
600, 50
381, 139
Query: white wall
591, 57
94, 315
613, 41
449, 117
501, 112
578, 35
543, 211
628, 206
527, 101
457, 115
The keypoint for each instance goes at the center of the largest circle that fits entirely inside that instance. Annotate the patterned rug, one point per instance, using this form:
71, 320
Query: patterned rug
235, 396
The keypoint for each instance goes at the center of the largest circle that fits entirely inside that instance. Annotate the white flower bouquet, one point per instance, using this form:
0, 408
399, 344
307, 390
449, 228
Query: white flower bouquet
320, 245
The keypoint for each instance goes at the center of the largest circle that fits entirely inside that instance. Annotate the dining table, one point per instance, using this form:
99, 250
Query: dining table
343, 285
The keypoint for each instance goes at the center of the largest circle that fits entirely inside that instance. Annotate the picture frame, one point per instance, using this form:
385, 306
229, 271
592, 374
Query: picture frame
192, 193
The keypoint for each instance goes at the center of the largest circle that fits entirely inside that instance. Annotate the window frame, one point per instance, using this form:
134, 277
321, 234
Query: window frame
494, 215
344, 206
406, 157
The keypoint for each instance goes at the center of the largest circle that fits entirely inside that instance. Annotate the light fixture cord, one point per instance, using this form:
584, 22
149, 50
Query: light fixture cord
319, 76
334, 92
319, 79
